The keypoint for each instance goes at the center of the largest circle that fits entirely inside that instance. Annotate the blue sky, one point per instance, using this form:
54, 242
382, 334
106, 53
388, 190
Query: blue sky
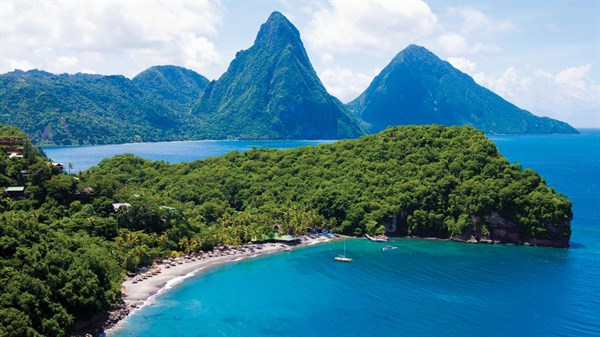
541, 55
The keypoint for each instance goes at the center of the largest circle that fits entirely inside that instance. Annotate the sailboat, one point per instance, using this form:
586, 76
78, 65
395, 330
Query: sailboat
343, 258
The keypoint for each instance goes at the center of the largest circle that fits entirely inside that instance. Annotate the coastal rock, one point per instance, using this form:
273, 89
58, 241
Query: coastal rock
102, 321
493, 228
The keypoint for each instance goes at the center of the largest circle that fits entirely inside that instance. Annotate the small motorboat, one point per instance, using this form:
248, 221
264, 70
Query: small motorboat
378, 238
388, 247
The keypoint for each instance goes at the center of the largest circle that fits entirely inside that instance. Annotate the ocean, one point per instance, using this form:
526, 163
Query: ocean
423, 288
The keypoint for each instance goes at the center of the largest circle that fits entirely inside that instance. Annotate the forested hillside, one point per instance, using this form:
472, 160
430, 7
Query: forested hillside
437, 181
64, 246
21, 163
175, 86
95, 109
50, 274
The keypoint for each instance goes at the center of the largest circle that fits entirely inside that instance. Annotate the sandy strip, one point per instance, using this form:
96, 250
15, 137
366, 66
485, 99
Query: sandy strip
138, 294
141, 293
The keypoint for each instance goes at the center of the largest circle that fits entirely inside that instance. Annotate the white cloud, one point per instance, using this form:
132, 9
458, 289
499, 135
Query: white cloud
463, 64
507, 84
326, 58
369, 25
453, 43
479, 47
467, 28
63, 36
344, 83
558, 95
17, 64
577, 83
475, 21
199, 52
68, 61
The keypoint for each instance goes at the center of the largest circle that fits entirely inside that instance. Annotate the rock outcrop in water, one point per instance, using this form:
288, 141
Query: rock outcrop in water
500, 230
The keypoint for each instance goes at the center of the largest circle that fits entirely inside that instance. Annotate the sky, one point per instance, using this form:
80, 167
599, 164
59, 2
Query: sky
543, 56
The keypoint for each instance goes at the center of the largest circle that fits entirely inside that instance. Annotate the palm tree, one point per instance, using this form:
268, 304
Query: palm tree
184, 244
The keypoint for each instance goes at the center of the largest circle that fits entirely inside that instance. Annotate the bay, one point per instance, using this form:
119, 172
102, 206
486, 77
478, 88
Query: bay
422, 288
84, 157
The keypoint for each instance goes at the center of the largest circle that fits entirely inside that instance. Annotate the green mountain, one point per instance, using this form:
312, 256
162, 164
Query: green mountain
175, 86
94, 109
419, 88
272, 91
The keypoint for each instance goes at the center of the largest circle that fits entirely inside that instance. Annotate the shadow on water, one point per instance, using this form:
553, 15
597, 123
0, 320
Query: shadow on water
576, 245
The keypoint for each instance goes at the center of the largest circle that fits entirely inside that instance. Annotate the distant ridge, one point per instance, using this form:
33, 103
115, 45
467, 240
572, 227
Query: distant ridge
272, 91
416, 87
96, 109
269, 91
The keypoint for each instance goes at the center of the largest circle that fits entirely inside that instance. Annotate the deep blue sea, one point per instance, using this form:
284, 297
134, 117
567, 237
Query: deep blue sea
423, 288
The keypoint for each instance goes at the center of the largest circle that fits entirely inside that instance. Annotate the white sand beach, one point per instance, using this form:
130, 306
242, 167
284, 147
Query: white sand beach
137, 291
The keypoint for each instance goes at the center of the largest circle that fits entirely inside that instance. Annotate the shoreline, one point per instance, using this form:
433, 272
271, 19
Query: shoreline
139, 293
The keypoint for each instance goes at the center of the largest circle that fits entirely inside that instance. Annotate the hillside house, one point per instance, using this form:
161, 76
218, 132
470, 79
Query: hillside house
15, 192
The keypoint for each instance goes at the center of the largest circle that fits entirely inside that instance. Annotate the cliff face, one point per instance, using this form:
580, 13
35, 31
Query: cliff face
492, 229
500, 230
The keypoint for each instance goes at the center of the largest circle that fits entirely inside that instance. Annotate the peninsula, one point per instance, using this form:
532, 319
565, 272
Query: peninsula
67, 240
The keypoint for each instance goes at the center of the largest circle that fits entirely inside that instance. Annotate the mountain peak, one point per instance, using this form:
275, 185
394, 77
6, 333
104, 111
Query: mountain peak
277, 29
414, 48
415, 52
272, 91
417, 87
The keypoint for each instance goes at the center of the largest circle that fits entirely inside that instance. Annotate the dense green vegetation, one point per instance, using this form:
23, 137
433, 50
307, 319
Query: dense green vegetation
272, 91
50, 274
94, 109
177, 87
31, 169
418, 88
64, 247
439, 178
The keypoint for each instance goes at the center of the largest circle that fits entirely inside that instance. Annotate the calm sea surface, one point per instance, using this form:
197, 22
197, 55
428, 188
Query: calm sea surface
427, 288
84, 157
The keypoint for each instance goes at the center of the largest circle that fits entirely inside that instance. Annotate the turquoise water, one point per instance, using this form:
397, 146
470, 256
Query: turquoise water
429, 288
423, 288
